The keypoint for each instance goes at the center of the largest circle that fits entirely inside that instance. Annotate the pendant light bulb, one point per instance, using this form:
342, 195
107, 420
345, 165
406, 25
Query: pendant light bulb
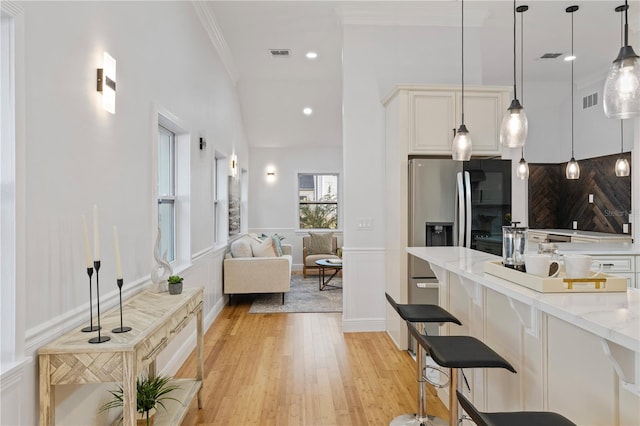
461, 150
514, 127
522, 172
622, 167
622, 86
573, 169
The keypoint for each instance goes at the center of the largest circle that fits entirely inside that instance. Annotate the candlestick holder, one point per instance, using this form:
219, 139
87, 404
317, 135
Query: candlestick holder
120, 329
91, 326
100, 338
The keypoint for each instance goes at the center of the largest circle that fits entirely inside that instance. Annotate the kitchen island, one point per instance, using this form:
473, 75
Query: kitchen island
576, 354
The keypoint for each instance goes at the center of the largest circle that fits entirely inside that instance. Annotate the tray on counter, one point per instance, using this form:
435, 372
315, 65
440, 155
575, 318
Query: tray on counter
560, 284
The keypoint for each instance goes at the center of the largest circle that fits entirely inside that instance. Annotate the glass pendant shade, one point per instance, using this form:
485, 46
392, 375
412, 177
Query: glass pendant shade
515, 126
573, 169
522, 172
461, 148
622, 167
622, 87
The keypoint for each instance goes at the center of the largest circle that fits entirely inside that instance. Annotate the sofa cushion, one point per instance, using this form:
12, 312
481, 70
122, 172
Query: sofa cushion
263, 248
242, 247
320, 243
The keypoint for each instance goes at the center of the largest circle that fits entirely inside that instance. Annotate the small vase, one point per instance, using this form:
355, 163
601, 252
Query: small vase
175, 288
141, 420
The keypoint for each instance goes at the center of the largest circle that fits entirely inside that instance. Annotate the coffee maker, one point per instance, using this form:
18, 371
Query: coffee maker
514, 244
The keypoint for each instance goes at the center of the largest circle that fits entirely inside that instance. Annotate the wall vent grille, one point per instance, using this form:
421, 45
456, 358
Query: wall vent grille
590, 100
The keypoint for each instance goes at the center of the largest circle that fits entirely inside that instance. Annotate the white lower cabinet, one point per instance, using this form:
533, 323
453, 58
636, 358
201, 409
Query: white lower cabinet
560, 367
623, 266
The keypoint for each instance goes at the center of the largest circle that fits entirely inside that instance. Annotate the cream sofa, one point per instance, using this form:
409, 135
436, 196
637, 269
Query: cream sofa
245, 275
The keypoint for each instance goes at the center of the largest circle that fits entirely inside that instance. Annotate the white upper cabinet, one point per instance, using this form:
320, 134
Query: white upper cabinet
433, 112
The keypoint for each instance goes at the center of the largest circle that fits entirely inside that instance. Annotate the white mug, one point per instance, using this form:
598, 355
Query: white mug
579, 266
539, 264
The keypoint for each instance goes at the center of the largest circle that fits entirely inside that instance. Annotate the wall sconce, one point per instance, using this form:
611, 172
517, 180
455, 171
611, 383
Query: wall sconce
234, 165
107, 83
203, 144
271, 174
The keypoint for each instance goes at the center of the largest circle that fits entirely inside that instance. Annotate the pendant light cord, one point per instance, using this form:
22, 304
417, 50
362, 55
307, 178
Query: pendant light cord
521, 63
462, 34
626, 23
622, 40
572, 61
515, 93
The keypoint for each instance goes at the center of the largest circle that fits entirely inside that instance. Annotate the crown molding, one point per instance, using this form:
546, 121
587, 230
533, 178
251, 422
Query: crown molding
10, 8
214, 32
416, 14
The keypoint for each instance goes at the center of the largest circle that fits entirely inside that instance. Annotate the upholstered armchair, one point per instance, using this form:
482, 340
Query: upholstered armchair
316, 247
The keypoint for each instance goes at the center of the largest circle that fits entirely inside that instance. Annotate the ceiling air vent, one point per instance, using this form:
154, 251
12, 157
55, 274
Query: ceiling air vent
590, 100
280, 53
550, 55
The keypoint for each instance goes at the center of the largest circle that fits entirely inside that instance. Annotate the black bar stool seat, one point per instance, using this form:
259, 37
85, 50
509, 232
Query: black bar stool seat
462, 352
519, 418
455, 352
420, 314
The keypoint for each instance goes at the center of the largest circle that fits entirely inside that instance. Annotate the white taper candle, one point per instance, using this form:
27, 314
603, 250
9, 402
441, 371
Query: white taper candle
96, 234
117, 246
87, 247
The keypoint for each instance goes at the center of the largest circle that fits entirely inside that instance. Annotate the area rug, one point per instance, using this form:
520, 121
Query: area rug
302, 297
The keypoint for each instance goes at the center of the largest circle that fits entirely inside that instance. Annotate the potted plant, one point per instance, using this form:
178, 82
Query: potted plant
175, 284
151, 392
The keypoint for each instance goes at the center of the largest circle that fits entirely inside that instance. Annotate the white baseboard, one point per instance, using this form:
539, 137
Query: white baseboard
363, 325
213, 314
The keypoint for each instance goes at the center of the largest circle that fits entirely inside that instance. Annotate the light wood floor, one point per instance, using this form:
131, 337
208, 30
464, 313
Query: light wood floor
300, 369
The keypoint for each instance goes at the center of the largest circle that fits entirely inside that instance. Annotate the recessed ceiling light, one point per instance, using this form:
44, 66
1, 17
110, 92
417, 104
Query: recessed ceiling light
570, 58
311, 55
307, 111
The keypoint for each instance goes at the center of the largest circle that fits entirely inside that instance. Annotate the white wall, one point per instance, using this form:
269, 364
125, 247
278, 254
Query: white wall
78, 155
276, 199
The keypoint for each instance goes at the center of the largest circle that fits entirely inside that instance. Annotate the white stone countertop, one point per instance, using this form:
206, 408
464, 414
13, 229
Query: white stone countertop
612, 316
576, 232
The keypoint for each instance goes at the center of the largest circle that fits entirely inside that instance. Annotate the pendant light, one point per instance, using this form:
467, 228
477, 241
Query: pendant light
522, 172
573, 169
461, 147
622, 165
622, 86
513, 131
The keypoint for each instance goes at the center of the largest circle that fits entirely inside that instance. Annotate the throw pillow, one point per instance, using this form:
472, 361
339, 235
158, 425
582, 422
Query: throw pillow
321, 243
241, 247
277, 244
263, 248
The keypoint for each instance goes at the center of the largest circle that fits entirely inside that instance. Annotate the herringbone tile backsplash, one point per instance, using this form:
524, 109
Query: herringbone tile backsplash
555, 202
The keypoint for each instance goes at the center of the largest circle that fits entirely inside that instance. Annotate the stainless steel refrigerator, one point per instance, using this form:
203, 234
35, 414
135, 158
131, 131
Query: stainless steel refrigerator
455, 203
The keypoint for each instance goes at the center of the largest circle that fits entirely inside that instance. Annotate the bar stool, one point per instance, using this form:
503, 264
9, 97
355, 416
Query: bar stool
454, 352
420, 314
520, 418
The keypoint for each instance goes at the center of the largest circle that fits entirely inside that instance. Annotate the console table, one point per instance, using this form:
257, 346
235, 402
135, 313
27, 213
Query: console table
155, 318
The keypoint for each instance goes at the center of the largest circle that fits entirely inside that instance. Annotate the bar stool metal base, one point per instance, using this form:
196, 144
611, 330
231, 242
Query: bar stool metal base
413, 420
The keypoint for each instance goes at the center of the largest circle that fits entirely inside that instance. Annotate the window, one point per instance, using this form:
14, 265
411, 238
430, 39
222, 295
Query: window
218, 191
318, 201
167, 192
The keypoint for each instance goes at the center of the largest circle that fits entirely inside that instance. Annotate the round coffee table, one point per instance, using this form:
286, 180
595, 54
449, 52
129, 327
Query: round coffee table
327, 264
